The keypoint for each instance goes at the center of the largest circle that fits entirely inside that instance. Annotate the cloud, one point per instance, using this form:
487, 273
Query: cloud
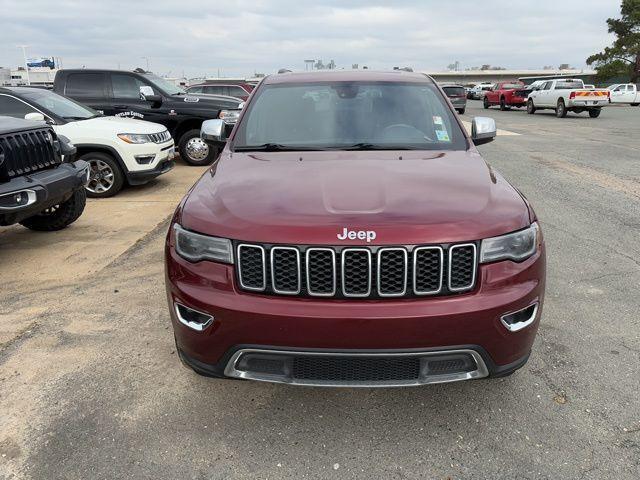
240, 37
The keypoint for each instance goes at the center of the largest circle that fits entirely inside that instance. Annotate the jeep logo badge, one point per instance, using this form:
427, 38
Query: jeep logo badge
367, 235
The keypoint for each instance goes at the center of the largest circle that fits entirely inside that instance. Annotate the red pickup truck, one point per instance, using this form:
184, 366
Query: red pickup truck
351, 234
507, 94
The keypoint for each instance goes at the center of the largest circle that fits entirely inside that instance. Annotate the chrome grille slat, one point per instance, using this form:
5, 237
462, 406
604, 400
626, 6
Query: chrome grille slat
317, 283
352, 260
253, 275
461, 272
390, 275
282, 270
423, 269
357, 272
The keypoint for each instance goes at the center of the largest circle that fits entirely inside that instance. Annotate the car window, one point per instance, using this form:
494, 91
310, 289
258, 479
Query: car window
509, 86
12, 107
237, 92
126, 86
454, 91
568, 85
57, 104
85, 84
213, 89
194, 90
339, 114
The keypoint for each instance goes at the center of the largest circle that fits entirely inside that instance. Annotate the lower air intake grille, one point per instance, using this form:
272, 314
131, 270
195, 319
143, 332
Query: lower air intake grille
346, 369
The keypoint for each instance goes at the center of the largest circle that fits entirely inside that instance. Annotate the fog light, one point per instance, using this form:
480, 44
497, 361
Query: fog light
520, 319
18, 199
145, 159
264, 364
193, 319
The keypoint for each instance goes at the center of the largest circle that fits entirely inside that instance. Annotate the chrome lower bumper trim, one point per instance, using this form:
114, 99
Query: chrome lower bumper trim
480, 371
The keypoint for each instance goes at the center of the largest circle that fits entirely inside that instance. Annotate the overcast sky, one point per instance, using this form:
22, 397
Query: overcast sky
242, 37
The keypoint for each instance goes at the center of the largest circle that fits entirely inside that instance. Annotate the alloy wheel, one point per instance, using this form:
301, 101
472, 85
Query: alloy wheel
101, 178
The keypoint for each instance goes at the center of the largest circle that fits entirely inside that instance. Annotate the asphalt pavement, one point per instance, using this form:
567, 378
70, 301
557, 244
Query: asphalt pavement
91, 387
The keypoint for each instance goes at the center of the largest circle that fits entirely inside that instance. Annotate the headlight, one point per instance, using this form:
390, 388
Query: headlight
134, 137
516, 246
196, 247
229, 116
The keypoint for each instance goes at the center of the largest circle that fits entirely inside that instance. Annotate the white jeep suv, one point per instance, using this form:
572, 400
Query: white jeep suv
119, 150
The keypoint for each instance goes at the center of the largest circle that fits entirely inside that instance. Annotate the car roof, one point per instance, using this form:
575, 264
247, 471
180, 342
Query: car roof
348, 76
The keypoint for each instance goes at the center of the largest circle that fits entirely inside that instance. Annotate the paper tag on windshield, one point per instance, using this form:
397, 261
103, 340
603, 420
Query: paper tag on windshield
443, 136
437, 120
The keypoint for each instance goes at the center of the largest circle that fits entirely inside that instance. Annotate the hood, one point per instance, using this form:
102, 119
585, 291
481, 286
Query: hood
115, 125
405, 197
204, 102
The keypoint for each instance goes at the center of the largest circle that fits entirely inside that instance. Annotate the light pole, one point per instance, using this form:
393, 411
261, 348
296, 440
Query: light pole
147, 59
24, 56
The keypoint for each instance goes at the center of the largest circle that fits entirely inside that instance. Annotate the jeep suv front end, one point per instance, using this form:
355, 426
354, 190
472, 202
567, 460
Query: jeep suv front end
356, 238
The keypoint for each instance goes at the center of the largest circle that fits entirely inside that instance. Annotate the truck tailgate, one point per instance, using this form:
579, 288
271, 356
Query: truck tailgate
590, 97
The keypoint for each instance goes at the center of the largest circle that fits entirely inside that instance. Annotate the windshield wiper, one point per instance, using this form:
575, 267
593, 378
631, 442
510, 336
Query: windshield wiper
378, 146
80, 118
274, 147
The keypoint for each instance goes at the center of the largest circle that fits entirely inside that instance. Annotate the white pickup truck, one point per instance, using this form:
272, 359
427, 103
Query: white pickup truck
625, 93
567, 95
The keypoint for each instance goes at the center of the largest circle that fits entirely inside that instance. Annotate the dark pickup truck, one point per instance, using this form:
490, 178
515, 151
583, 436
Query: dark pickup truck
148, 97
41, 187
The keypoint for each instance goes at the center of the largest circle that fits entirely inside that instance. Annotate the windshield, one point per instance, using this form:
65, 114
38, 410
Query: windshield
58, 105
568, 85
165, 85
510, 86
349, 115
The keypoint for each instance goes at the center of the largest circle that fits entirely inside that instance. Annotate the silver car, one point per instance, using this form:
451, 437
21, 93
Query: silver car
457, 95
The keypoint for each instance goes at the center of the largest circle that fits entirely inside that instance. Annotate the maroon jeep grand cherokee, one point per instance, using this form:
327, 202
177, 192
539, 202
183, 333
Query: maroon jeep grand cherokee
350, 234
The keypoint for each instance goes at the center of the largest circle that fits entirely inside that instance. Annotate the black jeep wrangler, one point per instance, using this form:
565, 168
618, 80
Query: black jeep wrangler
146, 96
41, 187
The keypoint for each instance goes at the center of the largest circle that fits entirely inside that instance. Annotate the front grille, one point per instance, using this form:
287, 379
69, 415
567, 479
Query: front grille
357, 272
355, 369
161, 137
26, 152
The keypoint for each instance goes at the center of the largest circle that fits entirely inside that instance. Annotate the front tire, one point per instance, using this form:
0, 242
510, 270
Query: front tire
561, 109
194, 151
461, 111
635, 104
106, 177
594, 112
531, 108
485, 103
59, 216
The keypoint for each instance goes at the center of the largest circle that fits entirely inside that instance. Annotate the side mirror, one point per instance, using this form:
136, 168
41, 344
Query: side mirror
213, 131
483, 130
35, 116
147, 94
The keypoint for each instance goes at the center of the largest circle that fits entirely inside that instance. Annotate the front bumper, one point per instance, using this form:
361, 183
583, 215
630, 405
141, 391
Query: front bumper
49, 187
470, 321
138, 178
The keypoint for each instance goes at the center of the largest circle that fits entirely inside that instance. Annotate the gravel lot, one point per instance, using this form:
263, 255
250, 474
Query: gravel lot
90, 385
